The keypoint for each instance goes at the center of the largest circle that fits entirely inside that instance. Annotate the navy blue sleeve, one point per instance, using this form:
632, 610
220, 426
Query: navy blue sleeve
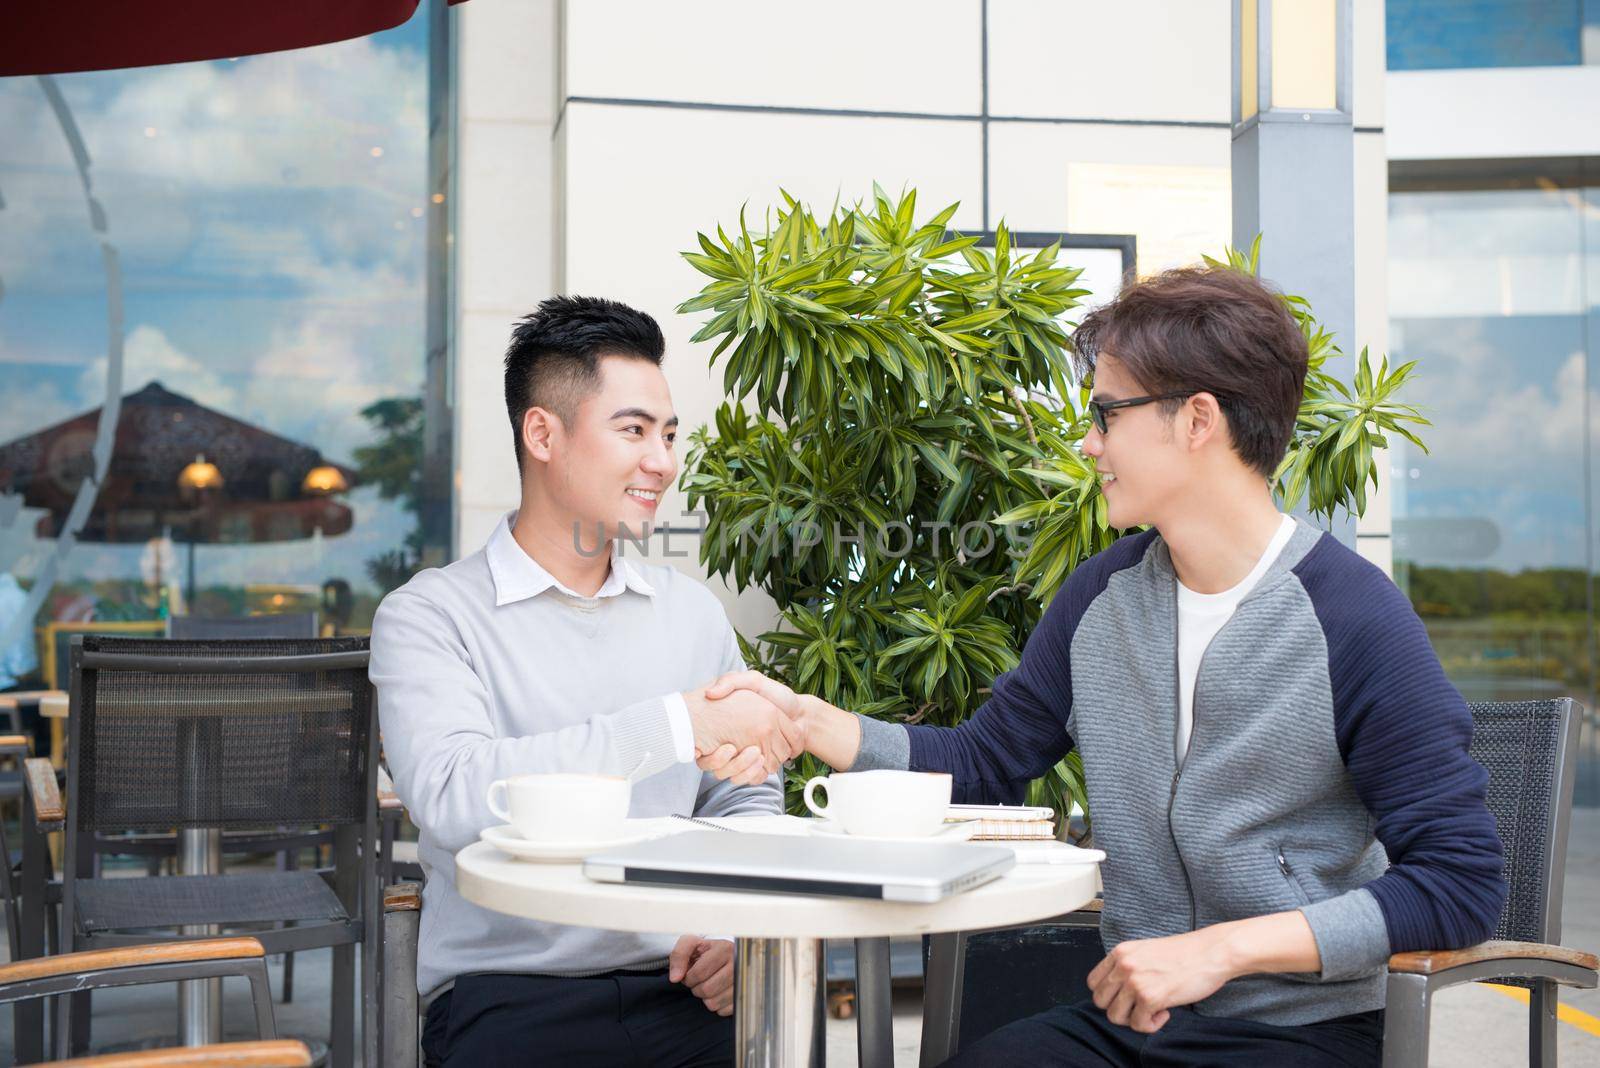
1020, 732
1405, 734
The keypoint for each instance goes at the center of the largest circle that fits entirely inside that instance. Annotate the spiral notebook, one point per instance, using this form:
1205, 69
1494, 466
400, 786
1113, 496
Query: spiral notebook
1006, 823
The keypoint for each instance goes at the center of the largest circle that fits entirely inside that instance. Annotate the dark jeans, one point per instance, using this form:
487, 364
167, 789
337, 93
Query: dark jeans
620, 1018
1080, 1034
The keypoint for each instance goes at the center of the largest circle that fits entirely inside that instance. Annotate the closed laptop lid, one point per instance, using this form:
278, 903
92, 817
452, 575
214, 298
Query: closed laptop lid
726, 860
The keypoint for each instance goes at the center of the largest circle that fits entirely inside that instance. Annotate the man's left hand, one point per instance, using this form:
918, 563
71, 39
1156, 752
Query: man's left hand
705, 966
1139, 981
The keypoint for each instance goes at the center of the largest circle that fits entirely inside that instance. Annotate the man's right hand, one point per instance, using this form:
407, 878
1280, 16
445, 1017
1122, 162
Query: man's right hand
831, 733
747, 721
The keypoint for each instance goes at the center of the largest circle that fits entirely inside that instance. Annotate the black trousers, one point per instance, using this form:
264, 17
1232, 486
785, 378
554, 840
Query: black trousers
617, 1019
1080, 1034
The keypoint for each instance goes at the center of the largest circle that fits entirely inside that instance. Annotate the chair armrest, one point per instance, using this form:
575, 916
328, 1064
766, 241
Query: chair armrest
1528, 959
40, 779
13, 743
16, 697
101, 961
402, 897
283, 1053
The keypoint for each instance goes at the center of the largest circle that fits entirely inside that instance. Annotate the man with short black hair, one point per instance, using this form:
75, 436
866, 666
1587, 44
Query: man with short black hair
1277, 766
545, 651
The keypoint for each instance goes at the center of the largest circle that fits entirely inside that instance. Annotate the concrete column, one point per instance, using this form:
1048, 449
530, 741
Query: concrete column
1295, 174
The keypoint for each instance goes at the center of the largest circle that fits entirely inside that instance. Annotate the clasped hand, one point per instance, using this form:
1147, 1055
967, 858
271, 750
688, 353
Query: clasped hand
1139, 982
745, 727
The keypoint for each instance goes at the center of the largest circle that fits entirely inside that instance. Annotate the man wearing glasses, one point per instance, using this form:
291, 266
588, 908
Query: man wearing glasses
1277, 765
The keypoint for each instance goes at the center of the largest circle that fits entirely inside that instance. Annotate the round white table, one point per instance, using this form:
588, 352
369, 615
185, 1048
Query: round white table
779, 936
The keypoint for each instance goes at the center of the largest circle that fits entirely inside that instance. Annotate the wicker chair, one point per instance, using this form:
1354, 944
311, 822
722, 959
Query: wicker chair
234, 734
1529, 749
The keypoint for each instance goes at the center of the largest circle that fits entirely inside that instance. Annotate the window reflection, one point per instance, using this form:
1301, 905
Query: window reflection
1439, 34
267, 221
1492, 290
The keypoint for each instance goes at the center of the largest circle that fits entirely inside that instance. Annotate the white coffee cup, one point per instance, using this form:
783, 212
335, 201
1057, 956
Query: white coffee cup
883, 803
564, 807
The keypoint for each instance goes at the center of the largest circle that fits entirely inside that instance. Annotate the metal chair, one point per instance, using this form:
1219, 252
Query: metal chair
166, 962
232, 734
11, 724
399, 1024
1530, 750
204, 628
286, 846
156, 847
13, 748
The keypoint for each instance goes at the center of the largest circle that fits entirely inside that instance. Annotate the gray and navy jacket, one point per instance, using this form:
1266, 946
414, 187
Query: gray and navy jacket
1328, 770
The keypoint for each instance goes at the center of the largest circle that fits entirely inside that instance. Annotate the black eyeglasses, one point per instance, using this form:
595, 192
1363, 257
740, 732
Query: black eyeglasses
1098, 409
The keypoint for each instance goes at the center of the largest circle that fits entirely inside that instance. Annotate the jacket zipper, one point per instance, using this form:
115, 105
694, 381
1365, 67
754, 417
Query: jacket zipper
1288, 873
1177, 770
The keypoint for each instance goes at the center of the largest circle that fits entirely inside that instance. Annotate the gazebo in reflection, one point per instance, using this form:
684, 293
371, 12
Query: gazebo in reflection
179, 467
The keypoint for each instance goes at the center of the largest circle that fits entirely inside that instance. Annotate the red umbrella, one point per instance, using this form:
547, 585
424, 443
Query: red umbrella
59, 36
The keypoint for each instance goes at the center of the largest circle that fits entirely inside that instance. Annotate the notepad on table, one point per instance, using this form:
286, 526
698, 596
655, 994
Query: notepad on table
1006, 822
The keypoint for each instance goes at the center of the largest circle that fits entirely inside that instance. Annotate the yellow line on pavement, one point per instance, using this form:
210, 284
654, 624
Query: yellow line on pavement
1565, 1013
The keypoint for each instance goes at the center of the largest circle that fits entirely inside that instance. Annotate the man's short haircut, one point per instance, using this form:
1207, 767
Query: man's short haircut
553, 361
1211, 330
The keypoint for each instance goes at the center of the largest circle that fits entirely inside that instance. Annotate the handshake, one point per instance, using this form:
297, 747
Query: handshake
747, 725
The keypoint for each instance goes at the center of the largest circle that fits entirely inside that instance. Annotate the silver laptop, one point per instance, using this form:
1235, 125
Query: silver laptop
791, 864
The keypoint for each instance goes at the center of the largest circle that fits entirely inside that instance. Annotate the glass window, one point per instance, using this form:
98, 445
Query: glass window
1436, 34
1491, 289
236, 261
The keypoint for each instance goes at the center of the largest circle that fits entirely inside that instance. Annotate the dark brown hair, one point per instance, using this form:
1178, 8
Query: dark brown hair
1211, 330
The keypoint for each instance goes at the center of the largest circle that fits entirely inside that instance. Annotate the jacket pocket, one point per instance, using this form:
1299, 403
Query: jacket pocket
1286, 868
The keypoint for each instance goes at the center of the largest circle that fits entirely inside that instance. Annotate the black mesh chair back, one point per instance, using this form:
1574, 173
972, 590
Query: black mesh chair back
286, 625
1529, 749
224, 733
229, 733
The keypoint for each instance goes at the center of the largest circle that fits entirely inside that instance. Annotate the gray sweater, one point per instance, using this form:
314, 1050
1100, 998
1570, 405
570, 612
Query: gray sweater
487, 668
1328, 770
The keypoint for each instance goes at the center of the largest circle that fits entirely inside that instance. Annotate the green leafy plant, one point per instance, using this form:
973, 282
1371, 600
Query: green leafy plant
898, 462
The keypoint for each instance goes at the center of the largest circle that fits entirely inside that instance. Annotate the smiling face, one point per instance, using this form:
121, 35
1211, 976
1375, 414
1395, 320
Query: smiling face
1143, 462
610, 463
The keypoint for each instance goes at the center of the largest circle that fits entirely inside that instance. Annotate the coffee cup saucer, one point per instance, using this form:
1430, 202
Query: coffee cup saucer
507, 839
950, 832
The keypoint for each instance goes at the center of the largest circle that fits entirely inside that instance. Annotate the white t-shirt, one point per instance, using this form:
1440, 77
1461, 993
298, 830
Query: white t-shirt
1200, 616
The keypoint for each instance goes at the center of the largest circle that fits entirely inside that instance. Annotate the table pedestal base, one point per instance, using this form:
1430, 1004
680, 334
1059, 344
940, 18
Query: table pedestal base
200, 1000
777, 1004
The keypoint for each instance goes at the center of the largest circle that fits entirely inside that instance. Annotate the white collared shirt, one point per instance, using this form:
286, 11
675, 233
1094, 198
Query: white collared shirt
489, 668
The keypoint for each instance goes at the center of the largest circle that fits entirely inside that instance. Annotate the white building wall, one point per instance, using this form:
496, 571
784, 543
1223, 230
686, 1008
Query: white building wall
666, 119
504, 233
